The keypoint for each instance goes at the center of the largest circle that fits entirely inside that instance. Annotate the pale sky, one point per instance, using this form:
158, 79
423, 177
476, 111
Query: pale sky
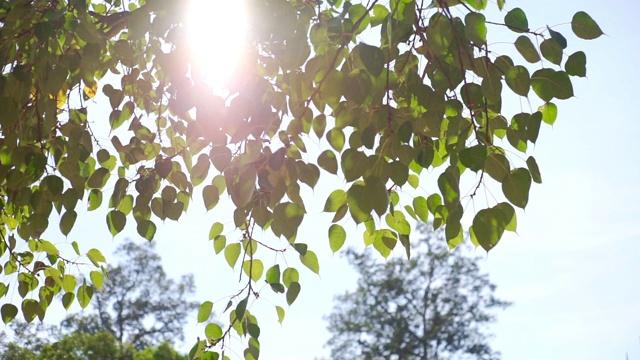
572, 272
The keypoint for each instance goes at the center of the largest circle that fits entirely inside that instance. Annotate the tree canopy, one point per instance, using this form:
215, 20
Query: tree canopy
435, 306
391, 88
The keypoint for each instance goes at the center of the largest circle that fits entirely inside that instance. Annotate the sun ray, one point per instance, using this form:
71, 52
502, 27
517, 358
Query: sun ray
217, 35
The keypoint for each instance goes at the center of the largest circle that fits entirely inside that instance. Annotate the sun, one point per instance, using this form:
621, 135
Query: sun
217, 34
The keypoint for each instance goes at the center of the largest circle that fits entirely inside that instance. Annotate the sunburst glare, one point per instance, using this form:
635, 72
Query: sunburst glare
217, 32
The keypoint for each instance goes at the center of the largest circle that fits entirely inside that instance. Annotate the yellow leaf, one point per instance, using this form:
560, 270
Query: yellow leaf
91, 90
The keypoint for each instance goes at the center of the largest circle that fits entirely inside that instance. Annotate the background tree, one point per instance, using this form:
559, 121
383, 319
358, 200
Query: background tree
435, 306
140, 305
425, 91
139, 314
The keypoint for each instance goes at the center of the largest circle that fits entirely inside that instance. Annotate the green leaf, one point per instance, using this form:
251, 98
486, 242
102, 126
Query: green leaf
66, 222
204, 312
48, 247
68, 283
98, 179
241, 308
488, 227
378, 194
319, 125
585, 27
517, 21
558, 38
551, 51
337, 237
97, 279
146, 229
359, 203
549, 113
509, 216
84, 295
534, 170
287, 218
327, 161
95, 199
548, 83
527, 49
476, 28
372, 58
310, 260
290, 275
116, 221
219, 243
516, 187
497, 166
449, 185
335, 200
231, 253
518, 80
96, 257
211, 196
420, 208
213, 331
280, 312
253, 268
30, 309
67, 300
8, 312
474, 157
576, 64
336, 139
216, 229
292, 292
273, 274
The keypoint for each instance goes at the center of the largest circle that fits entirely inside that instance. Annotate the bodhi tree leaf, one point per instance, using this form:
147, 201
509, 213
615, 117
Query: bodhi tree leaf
576, 64
518, 80
337, 236
585, 27
548, 83
551, 51
516, 185
8, 312
527, 49
292, 292
204, 312
310, 260
517, 21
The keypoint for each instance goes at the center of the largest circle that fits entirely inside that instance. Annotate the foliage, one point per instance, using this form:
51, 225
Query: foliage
435, 306
423, 92
85, 346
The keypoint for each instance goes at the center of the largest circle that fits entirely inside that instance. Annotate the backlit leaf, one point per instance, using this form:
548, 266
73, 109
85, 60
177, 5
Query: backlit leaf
518, 80
204, 312
231, 253
576, 64
527, 49
534, 170
516, 185
8, 312
551, 51
337, 236
116, 221
253, 268
517, 21
292, 292
585, 27
280, 312
310, 260
548, 83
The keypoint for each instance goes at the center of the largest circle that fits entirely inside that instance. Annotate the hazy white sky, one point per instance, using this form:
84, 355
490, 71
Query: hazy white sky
572, 272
